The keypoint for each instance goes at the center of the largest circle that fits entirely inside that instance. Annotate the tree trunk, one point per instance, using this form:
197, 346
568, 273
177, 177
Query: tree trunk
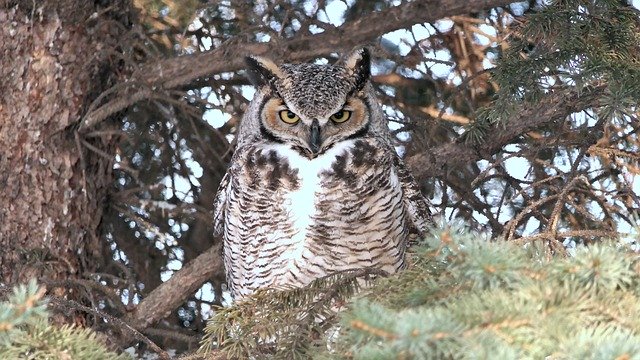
54, 61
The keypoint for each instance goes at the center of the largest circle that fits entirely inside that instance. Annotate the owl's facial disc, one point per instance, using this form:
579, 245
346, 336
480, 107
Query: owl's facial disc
314, 136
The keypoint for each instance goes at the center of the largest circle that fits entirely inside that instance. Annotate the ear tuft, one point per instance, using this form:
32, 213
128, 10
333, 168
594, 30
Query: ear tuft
359, 66
262, 71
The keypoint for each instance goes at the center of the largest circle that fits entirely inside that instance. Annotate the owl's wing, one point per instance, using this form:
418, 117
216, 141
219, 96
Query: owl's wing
220, 204
414, 202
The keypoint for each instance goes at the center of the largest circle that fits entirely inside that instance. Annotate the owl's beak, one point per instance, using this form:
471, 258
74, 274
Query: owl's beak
314, 137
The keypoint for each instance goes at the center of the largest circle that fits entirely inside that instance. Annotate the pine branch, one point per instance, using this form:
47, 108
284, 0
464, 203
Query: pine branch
463, 297
168, 296
467, 298
283, 323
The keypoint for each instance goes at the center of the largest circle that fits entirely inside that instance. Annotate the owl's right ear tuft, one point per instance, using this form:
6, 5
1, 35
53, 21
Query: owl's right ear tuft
262, 71
358, 64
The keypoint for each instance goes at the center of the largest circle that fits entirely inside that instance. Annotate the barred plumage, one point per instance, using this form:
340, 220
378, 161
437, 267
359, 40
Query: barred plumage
309, 193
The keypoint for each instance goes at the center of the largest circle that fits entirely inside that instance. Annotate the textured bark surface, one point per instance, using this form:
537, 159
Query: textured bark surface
52, 66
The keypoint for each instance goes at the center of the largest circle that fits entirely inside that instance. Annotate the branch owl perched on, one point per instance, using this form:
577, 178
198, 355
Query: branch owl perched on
314, 186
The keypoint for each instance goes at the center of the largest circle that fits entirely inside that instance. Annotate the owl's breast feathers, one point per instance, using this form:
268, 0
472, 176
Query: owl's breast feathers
287, 219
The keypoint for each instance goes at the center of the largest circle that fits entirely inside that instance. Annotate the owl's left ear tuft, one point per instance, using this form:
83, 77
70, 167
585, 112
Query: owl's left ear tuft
358, 64
262, 71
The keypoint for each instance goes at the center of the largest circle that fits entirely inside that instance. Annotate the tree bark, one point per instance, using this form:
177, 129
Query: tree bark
54, 61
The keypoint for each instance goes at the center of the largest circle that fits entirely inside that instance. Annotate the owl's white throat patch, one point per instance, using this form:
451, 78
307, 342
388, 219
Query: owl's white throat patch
301, 203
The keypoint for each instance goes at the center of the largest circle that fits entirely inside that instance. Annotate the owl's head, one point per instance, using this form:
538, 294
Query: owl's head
311, 107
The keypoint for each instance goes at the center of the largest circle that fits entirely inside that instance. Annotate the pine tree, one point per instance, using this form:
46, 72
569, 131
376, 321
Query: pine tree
469, 298
569, 45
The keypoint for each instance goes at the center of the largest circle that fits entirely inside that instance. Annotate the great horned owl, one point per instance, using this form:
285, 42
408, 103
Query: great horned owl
314, 186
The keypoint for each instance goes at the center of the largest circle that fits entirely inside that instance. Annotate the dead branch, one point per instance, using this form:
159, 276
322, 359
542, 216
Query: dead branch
113, 321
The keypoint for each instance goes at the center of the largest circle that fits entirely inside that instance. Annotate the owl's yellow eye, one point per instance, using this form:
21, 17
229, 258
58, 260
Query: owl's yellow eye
341, 116
289, 117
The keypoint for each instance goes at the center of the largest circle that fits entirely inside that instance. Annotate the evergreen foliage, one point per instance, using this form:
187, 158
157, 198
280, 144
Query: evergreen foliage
463, 297
25, 332
468, 298
285, 323
568, 45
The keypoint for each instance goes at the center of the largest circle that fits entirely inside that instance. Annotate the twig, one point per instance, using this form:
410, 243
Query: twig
179, 71
121, 325
113, 298
571, 233
513, 224
557, 209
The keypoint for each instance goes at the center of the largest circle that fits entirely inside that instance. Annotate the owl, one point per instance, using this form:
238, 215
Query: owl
315, 186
